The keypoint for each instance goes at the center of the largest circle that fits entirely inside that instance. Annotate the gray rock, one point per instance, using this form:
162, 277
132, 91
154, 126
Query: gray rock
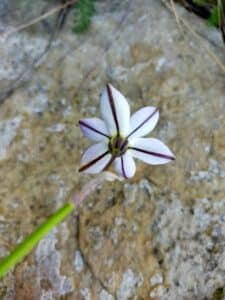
8, 129
130, 282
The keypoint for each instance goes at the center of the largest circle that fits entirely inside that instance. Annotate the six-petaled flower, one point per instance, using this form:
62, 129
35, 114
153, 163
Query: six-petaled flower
120, 137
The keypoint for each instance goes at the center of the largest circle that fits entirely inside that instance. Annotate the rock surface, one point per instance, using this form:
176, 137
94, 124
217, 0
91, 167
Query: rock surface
160, 235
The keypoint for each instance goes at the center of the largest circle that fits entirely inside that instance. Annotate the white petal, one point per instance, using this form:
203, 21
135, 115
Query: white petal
143, 121
95, 158
94, 129
125, 165
115, 111
151, 151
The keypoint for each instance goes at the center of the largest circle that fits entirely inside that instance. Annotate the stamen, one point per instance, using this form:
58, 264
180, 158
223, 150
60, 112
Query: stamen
118, 146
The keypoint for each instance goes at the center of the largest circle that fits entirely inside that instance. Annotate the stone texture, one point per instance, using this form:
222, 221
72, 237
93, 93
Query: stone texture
161, 234
8, 132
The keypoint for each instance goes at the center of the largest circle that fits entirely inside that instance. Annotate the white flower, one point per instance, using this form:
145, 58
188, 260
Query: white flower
120, 137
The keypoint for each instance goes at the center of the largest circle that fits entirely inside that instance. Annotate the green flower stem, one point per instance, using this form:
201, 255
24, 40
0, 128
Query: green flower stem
24, 248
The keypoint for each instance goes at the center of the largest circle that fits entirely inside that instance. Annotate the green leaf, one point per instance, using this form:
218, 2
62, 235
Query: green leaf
83, 11
214, 16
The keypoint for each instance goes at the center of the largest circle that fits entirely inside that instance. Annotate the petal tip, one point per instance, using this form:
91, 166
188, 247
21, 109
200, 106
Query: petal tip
172, 156
108, 84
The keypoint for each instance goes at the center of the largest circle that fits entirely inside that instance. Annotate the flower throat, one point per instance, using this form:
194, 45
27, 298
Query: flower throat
118, 145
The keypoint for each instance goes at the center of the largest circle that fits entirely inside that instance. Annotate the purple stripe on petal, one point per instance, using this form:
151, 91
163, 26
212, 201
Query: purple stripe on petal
110, 162
153, 153
143, 122
123, 169
112, 105
125, 165
92, 162
82, 123
115, 111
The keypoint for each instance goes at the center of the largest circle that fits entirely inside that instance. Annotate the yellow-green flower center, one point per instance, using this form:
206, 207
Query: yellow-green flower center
118, 145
